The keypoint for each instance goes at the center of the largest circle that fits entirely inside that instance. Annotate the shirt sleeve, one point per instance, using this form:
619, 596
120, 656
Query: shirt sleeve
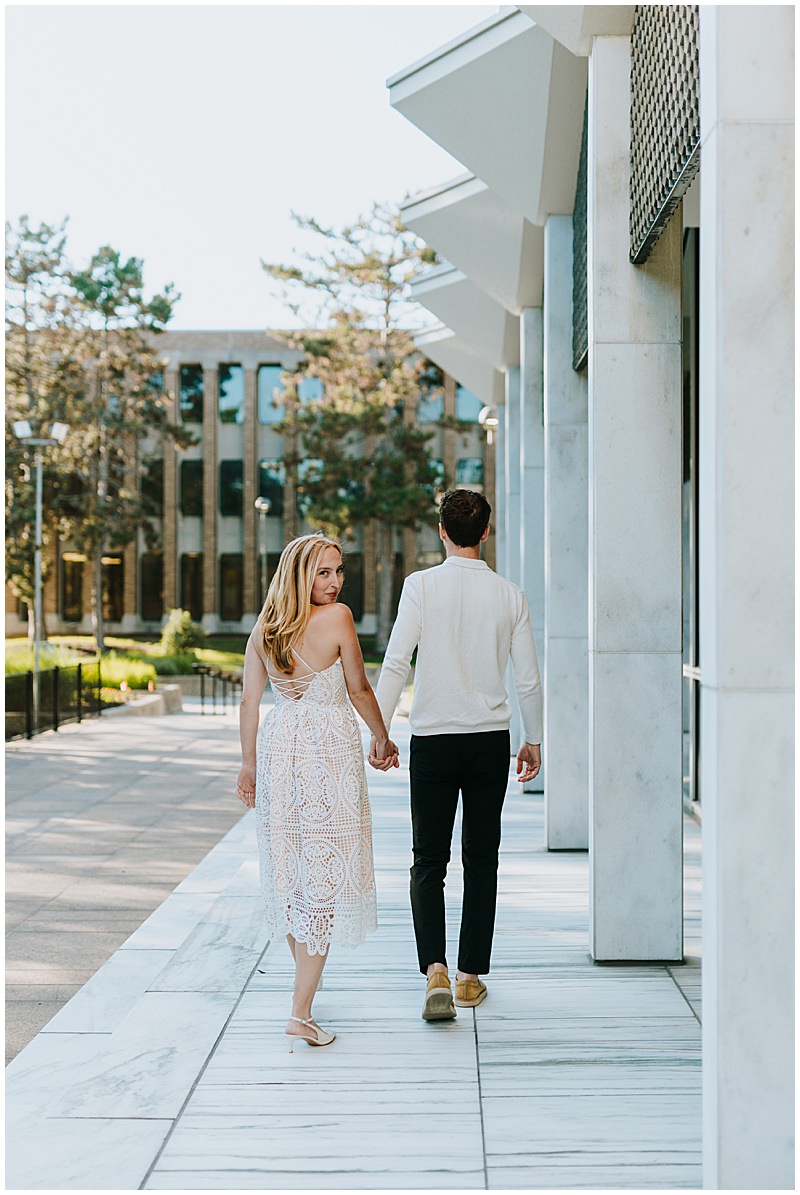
527, 681
397, 660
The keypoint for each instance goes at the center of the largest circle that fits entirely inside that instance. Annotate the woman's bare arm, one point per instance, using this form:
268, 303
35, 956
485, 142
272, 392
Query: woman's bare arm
254, 678
359, 688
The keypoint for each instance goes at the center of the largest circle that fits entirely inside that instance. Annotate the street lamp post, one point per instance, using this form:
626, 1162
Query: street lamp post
58, 433
487, 418
263, 507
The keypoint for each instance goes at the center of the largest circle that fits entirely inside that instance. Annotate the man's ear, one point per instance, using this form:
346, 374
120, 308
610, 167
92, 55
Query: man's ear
442, 534
485, 535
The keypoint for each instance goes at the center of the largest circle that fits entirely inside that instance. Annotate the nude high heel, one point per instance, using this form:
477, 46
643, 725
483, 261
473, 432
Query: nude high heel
321, 1038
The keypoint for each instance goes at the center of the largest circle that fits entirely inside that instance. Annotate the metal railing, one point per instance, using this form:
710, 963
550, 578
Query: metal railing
66, 694
221, 685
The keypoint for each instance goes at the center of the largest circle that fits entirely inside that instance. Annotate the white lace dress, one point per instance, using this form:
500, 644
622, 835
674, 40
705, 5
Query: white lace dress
312, 814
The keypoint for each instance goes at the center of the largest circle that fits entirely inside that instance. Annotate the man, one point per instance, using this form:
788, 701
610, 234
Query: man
466, 623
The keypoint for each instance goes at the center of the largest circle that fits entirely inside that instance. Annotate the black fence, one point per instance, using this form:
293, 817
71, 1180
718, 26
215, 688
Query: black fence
217, 686
65, 695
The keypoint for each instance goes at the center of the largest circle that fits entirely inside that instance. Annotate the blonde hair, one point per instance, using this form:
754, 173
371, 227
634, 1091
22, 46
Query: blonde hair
287, 607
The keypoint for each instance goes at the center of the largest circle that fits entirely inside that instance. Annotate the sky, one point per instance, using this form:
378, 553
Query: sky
187, 134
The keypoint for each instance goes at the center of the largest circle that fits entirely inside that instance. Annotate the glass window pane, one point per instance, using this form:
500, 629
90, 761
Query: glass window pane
231, 488
152, 586
153, 488
72, 587
192, 584
352, 592
113, 587
270, 388
271, 480
469, 472
192, 488
430, 407
307, 470
231, 394
437, 466
310, 389
191, 393
272, 567
231, 586
468, 405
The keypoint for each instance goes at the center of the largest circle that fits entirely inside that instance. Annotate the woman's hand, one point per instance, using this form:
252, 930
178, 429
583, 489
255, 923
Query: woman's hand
246, 786
383, 754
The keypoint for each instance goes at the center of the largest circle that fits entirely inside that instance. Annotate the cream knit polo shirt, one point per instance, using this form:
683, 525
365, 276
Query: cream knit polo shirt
467, 622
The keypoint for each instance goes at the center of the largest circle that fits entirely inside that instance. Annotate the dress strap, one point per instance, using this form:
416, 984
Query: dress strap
302, 661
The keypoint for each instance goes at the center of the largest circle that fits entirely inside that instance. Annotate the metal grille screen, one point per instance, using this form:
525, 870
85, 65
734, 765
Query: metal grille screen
665, 117
580, 302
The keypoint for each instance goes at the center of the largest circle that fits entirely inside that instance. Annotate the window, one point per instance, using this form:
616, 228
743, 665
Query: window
271, 567
270, 388
437, 468
310, 389
72, 586
468, 405
469, 472
231, 586
192, 488
308, 470
191, 393
231, 488
151, 572
352, 592
430, 407
113, 588
153, 488
271, 480
231, 394
192, 584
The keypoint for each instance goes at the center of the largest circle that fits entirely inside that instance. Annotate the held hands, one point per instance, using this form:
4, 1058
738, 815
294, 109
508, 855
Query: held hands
529, 758
383, 754
246, 786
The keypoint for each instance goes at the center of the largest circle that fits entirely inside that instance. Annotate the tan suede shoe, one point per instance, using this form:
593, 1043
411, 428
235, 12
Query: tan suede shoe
438, 1004
470, 992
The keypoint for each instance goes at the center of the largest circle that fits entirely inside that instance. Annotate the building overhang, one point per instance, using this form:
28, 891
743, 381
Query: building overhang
574, 25
489, 329
450, 353
483, 236
507, 101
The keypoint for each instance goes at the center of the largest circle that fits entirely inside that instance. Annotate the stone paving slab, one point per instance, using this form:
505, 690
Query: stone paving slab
103, 820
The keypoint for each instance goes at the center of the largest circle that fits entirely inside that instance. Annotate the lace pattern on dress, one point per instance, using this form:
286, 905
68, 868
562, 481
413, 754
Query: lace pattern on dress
313, 816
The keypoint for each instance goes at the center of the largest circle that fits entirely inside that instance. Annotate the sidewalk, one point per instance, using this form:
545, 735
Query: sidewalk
169, 1071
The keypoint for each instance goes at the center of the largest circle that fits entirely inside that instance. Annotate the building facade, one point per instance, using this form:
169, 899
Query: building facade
218, 552
618, 283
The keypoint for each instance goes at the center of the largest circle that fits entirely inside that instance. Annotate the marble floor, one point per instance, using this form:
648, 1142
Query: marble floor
168, 1069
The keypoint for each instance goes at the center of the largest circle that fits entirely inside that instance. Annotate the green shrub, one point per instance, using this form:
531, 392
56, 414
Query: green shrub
180, 634
180, 665
116, 668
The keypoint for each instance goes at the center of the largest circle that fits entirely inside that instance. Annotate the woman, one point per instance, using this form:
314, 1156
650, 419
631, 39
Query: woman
303, 771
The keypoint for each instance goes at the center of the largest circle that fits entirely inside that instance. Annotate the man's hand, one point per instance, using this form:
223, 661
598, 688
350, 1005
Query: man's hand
529, 758
383, 755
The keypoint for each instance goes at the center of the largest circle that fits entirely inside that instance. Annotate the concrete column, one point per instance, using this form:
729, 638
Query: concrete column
500, 502
532, 484
210, 489
513, 505
250, 524
566, 635
636, 830
746, 543
513, 517
170, 526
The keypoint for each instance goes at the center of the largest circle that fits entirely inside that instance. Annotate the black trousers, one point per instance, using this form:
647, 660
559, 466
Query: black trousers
442, 765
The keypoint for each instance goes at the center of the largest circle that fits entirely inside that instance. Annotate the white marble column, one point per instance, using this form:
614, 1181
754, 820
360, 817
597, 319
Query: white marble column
532, 485
500, 502
513, 511
746, 544
566, 635
513, 520
635, 749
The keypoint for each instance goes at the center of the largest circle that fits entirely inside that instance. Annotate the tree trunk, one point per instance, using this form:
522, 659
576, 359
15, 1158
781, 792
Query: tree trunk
98, 626
385, 561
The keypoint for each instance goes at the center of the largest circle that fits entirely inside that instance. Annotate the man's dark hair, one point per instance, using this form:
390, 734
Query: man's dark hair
465, 515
